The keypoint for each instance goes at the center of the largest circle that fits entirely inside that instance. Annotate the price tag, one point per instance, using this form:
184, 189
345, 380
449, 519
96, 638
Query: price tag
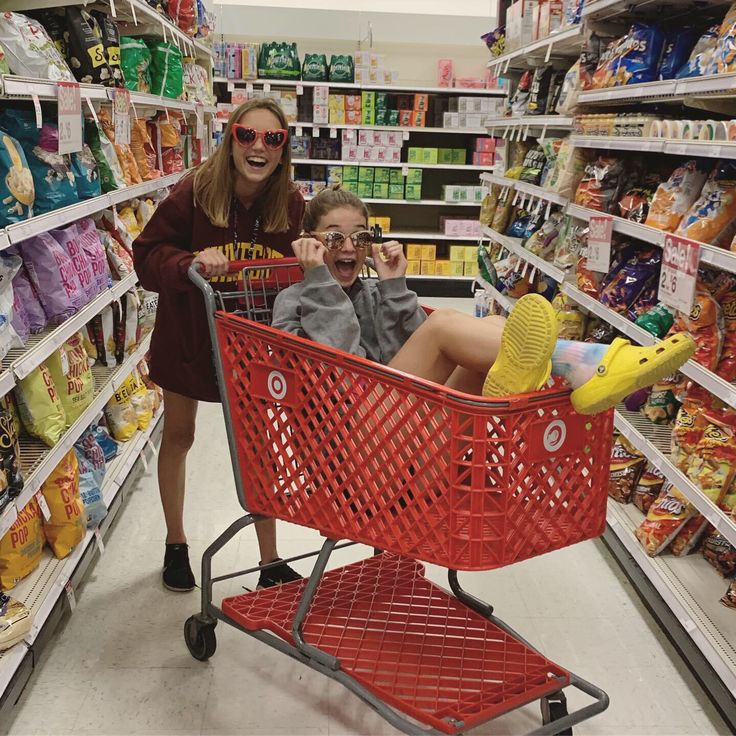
64, 360
92, 110
405, 135
680, 260
299, 131
350, 134
37, 108
113, 12
70, 117
121, 116
300, 89
231, 86
45, 510
99, 542
69, 590
249, 90
599, 243
199, 113
333, 132
315, 132
266, 88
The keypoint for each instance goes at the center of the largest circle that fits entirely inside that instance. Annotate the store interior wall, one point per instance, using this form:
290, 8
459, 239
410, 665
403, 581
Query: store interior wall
412, 42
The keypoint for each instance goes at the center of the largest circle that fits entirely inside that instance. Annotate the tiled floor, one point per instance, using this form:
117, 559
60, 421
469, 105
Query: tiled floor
120, 666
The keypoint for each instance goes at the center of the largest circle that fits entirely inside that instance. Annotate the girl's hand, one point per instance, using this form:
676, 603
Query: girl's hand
214, 263
389, 261
309, 252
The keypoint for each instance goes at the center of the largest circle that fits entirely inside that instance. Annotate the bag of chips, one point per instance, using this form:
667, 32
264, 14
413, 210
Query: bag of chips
542, 242
635, 203
107, 443
666, 516
86, 174
87, 56
11, 476
661, 406
143, 151
520, 99
141, 400
111, 174
29, 51
534, 162
569, 169
702, 57
720, 553
70, 371
678, 46
167, 74
90, 491
95, 253
676, 196
53, 21
724, 57
570, 92
627, 465
67, 524
40, 407
502, 215
570, 320
601, 185
539, 91
22, 546
638, 55
120, 412
9, 266
517, 153
88, 447
135, 64
657, 321
726, 368
125, 157
68, 239
647, 489
19, 320
690, 424
111, 41
17, 190
706, 326
637, 272
184, 14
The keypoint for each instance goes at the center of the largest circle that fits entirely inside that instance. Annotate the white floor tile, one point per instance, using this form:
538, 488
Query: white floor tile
120, 666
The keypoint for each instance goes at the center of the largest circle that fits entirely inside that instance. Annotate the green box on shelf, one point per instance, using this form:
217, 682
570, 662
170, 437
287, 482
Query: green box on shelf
334, 175
366, 174
414, 191
379, 117
350, 186
444, 155
459, 156
414, 177
396, 177
381, 101
393, 118
416, 155
380, 191
349, 173
365, 189
382, 176
430, 156
369, 100
396, 191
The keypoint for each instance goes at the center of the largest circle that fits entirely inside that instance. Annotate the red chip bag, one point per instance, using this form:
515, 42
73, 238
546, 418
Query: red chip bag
729, 599
648, 489
690, 424
665, 518
727, 363
705, 325
627, 465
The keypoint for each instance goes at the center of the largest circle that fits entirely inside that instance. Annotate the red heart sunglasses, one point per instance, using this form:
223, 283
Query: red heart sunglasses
246, 137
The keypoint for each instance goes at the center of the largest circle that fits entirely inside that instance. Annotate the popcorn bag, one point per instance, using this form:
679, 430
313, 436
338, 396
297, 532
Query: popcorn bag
22, 546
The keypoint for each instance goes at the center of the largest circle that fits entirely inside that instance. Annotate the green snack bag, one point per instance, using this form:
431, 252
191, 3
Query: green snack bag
167, 70
135, 63
485, 266
657, 321
279, 61
342, 69
111, 175
314, 68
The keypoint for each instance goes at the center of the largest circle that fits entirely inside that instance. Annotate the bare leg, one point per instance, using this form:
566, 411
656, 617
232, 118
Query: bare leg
266, 533
180, 413
467, 381
449, 339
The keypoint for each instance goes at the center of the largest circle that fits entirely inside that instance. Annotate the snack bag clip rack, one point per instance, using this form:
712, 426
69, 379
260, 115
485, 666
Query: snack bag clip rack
361, 452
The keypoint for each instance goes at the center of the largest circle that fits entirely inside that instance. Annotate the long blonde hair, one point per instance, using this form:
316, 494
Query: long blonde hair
214, 180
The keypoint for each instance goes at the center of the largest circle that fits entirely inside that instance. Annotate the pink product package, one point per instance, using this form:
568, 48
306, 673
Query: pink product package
445, 72
68, 239
470, 83
53, 275
24, 293
95, 252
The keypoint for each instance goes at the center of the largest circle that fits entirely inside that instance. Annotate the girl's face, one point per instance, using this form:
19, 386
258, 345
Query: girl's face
344, 264
256, 163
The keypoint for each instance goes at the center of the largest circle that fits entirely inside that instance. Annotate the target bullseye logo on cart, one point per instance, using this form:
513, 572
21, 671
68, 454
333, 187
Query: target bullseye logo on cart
555, 435
277, 385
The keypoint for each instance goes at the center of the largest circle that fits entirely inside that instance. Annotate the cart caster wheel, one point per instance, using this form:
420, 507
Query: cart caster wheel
554, 707
200, 638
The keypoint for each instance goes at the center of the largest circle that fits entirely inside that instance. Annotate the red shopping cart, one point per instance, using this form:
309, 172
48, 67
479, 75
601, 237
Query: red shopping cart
362, 452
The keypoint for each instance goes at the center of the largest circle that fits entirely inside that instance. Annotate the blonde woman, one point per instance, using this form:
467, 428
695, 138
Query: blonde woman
238, 204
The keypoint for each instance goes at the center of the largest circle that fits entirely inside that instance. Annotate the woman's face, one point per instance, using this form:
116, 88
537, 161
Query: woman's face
344, 264
257, 163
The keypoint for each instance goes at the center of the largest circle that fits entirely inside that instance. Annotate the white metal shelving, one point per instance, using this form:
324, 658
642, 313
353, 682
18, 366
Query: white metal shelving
672, 146
390, 128
419, 202
623, 9
382, 165
426, 235
532, 190
565, 42
506, 302
529, 122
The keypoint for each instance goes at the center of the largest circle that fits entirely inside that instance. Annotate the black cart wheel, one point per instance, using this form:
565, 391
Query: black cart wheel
554, 707
200, 638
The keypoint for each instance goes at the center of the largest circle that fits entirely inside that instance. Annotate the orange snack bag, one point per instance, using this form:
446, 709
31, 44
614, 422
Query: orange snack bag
666, 516
22, 546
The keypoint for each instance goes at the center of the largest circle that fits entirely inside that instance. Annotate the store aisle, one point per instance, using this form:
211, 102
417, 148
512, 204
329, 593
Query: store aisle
120, 666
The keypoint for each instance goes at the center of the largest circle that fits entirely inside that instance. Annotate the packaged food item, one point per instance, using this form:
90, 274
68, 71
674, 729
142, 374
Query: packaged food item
647, 489
539, 91
19, 319
631, 279
24, 292
646, 300
657, 321
314, 68
639, 54
17, 191
601, 185
111, 175
22, 546
124, 154
135, 64
87, 56
29, 51
706, 326
121, 414
605, 72
724, 56
72, 377
11, 475
570, 92
550, 148
184, 14
488, 205
570, 320
342, 68
130, 306
678, 46
67, 524
103, 330
729, 599
534, 162
168, 146
570, 243
53, 276
108, 445
702, 57
517, 153
142, 401
111, 42
720, 553
666, 516
726, 368
661, 406
118, 263
196, 83
635, 203
520, 99
542, 242
674, 197
555, 92
39, 406
53, 21
690, 424
68, 239
278, 61
519, 223
167, 74
90, 491
9, 266
569, 169
143, 151
502, 215
627, 465
86, 174
95, 253
129, 220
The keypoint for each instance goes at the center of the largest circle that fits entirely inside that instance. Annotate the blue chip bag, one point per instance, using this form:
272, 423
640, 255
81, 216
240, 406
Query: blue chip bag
571, 11
86, 173
638, 55
90, 492
724, 58
107, 443
88, 446
17, 191
701, 60
677, 48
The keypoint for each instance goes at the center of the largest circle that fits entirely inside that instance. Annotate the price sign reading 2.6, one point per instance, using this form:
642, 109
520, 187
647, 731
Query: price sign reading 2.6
70, 117
680, 261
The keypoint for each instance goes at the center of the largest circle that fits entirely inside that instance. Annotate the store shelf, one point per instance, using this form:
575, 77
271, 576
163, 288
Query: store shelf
25, 87
394, 128
514, 246
21, 231
382, 165
506, 302
707, 149
422, 235
691, 588
709, 254
421, 202
529, 122
38, 460
626, 10
428, 277
564, 43
400, 88
655, 441
533, 190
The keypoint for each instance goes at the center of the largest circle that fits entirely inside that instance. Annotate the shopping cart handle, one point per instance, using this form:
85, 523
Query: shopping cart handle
235, 266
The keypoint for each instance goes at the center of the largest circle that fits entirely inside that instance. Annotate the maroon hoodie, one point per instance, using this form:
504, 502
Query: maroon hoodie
181, 350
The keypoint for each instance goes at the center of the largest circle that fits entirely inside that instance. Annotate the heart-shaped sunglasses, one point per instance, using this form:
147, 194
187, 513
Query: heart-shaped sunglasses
246, 137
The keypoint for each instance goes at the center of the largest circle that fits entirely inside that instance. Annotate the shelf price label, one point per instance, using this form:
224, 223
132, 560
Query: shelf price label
199, 114
599, 243
121, 115
680, 260
70, 117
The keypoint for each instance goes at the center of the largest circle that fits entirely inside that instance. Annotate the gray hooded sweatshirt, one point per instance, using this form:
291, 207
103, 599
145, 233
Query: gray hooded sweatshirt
371, 319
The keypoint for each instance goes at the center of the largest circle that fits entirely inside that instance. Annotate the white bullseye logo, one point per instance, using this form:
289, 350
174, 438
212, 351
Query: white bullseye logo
276, 385
555, 435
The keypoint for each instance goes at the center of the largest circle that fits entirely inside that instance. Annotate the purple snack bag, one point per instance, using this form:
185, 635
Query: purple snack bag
95, 252
53, 275
24, 293
20, 319
68, 239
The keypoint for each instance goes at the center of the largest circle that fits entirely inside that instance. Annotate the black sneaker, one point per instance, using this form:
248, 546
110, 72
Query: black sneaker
276, 575
178, 574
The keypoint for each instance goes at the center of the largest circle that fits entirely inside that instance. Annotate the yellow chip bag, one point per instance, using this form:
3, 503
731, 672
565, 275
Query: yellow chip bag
22, 546
120, 413
39, 406
70, 371
67, 523
142, 400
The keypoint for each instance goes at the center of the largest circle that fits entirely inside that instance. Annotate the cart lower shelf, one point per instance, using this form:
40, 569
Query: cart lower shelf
409, 642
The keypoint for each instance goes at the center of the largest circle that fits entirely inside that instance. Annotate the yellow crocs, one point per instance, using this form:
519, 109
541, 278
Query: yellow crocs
625, 369
528, 340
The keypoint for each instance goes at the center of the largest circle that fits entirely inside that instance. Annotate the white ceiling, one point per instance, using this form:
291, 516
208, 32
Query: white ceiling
465, 8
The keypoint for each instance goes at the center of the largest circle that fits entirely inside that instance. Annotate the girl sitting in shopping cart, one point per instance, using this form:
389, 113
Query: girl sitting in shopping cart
380, 319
